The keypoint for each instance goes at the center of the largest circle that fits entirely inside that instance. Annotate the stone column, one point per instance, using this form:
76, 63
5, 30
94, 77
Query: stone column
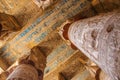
3, 64
30, 67
103, 76
24, 72
9, 22
60, 77
8, 28
4, 75
99, 39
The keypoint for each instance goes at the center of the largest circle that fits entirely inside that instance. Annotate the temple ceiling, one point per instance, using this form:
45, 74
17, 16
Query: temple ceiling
25, 24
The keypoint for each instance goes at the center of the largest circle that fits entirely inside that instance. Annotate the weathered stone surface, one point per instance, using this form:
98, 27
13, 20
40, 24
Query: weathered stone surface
98, 38
12, 6
39, 30
102, 5
24, 72
4, 75
60, 77
44, 3
8, 28
104, 76
35, 32
38, 58
85, 75
3, 64
67, 64
22, 10
9, 22
27, 12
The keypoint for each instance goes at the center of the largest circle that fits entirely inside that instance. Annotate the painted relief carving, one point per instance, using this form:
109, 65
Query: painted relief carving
98, 38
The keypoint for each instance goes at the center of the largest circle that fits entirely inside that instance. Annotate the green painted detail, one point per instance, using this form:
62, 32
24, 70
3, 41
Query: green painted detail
35, 34
59, 60
56, 52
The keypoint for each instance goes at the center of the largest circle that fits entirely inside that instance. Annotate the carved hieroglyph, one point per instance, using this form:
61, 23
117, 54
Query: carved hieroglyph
99, 39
